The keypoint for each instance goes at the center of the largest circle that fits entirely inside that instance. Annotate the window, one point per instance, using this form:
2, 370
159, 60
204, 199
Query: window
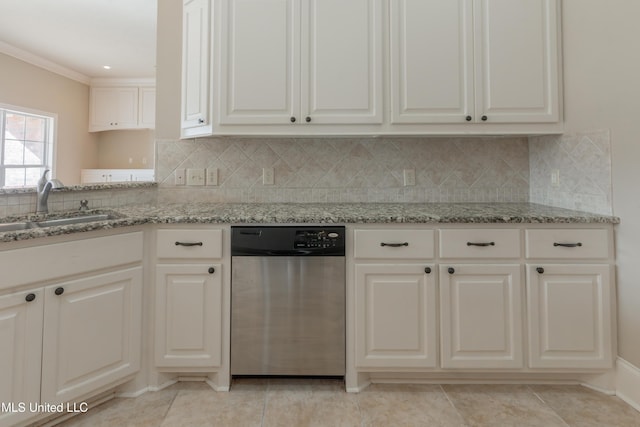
26, 146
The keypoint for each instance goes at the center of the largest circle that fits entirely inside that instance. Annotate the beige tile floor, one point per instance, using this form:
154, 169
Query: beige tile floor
307, 402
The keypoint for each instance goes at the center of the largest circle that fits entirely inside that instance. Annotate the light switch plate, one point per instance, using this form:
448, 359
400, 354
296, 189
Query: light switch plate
179, 177
195, 176
409, 177
212, 176
268, 177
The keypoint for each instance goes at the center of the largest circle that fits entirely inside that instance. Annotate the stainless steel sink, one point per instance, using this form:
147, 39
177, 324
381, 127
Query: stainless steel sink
26, 225
15, 226
73, 220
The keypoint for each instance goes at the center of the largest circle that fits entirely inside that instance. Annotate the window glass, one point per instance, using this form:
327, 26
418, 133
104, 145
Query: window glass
25, 147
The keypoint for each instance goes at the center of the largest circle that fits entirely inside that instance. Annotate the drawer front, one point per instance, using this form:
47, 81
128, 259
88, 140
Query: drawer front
394, 244
568, 244
206, 243
479, 243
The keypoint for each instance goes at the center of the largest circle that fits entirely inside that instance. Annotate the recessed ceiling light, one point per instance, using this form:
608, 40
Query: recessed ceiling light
107, 67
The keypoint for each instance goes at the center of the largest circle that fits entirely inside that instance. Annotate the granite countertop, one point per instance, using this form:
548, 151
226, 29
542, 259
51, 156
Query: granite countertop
319, 213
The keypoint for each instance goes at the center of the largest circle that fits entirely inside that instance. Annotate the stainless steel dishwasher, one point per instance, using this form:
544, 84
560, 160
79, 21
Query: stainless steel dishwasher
288, 300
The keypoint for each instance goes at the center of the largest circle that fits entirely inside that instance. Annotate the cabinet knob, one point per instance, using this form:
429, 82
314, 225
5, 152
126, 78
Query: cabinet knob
484, 118
427, 270
200, 120
59, 291
211, 270
540, 270
307, 119
468, 118
451, 270
30, 297
293, 119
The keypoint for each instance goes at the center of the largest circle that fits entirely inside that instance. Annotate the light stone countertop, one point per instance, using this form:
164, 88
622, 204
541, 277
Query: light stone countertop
317, 213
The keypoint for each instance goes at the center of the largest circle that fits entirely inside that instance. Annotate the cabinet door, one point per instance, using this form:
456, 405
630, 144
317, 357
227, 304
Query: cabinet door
114, 108
259, 67
20, 353
481, 309
147, 107
196, 23
92, 333
395, 316
570, 324
517, 60
188, 315
342, 61
431, 61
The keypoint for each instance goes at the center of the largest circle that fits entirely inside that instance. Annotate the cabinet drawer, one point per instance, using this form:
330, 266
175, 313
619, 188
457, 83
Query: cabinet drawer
205, 243
392, 244
479, 243
566, 243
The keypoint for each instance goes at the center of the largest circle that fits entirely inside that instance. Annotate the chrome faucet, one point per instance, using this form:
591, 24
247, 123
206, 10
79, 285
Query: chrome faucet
44, 188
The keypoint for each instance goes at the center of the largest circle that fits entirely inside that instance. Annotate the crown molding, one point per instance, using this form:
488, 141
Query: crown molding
40, 62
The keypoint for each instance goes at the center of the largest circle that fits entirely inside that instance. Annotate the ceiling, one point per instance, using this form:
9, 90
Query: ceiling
82, 36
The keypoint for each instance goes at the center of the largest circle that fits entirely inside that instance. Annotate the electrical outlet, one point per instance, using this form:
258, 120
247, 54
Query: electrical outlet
212, 176
555, 178
179, 177
195, 176
268, 177
409, 177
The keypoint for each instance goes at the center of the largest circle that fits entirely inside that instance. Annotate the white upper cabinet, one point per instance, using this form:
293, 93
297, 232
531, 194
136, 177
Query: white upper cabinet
122, 104
342, 61
196, 54
369, 67
300, 62
259, 69
431, 60
475, 61
516, 61
113, 108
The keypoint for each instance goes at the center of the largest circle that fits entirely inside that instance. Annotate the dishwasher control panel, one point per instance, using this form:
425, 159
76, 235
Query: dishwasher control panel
310, 239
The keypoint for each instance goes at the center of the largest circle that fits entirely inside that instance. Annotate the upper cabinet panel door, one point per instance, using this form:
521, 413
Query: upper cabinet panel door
431, 61
517, 60
195, 64
259, 66
342, 61
114, 108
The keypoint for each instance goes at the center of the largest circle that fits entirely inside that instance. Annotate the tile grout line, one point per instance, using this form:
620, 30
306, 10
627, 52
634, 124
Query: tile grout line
547, 405
264, 404
446, 395
173, 399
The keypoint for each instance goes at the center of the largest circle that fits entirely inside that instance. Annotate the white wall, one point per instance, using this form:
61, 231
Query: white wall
25, 85
602, 91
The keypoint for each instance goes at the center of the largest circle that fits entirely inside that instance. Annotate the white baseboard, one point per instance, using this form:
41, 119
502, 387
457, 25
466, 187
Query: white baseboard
628, 383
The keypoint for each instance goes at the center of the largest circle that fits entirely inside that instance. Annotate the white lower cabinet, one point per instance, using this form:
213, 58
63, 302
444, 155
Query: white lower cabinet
570, 316
189, 292
396, 322
76, 328
21, 352
481, 318
515, 299
92, 333
188, 315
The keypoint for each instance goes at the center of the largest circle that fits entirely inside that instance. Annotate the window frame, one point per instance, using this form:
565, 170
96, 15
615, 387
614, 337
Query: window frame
50, 142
